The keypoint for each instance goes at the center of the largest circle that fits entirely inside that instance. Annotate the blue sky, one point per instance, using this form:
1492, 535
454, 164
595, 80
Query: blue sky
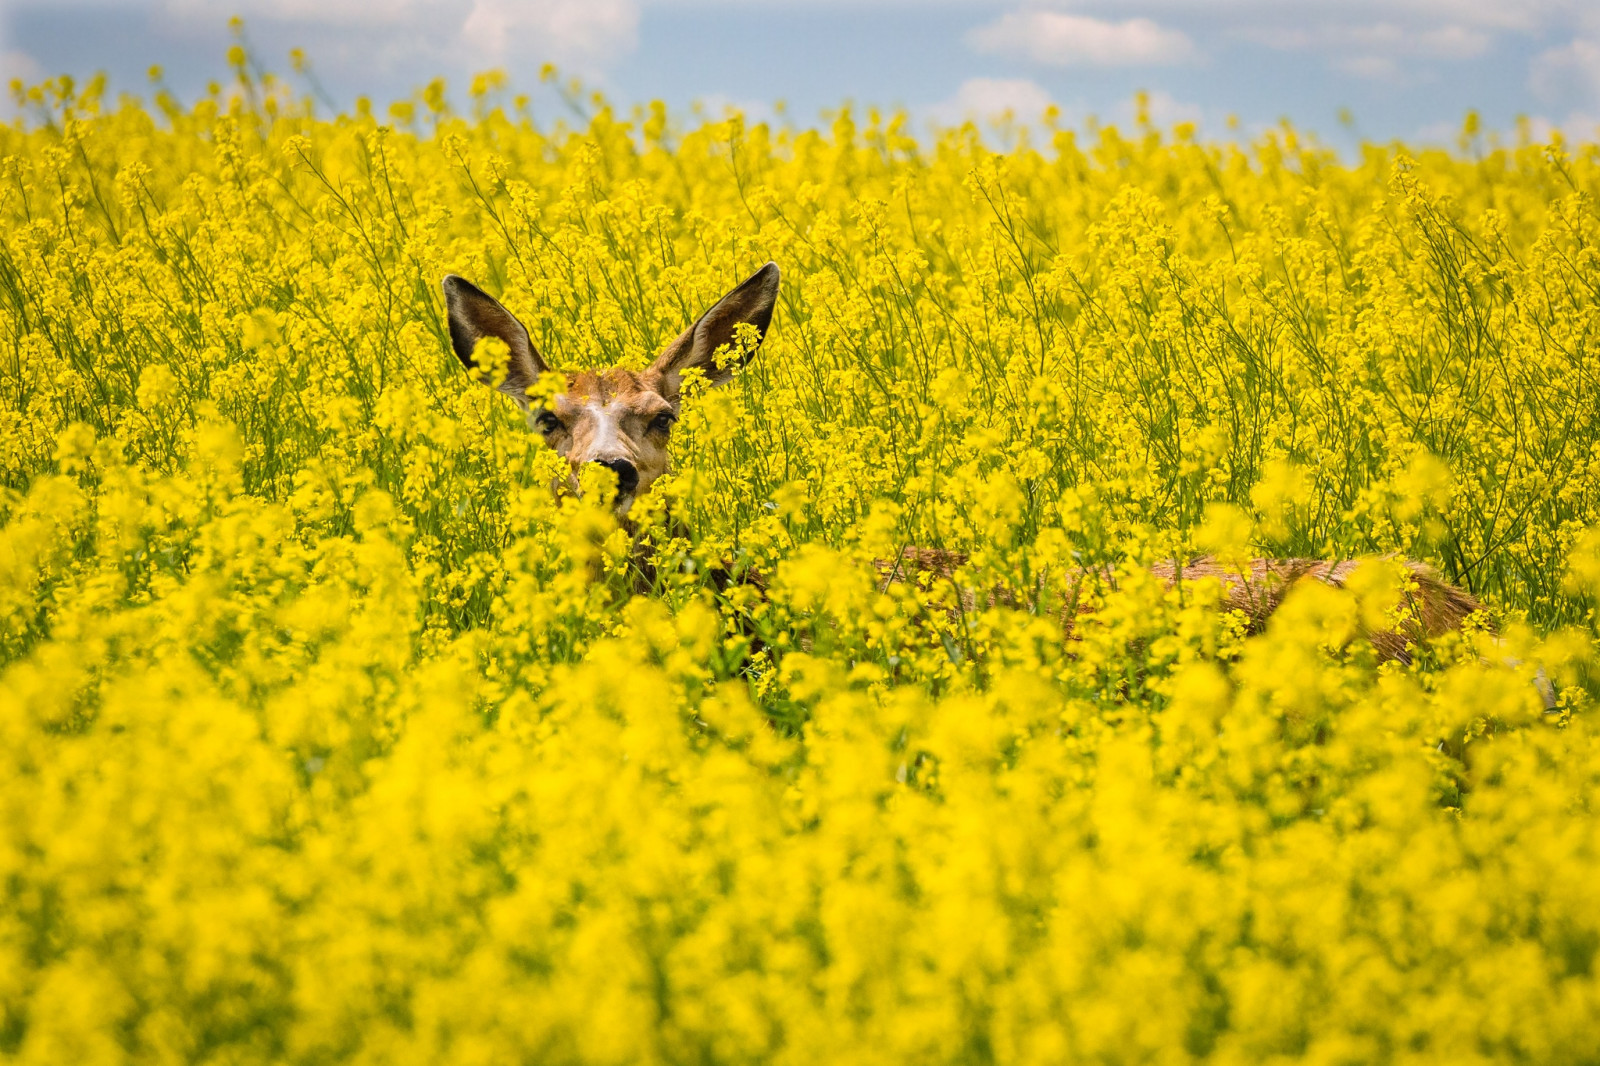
1402, 68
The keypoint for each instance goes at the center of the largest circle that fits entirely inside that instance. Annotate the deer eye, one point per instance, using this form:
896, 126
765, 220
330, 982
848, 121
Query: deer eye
662, 423
546, 421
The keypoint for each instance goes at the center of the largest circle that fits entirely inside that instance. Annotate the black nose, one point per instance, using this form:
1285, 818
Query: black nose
627, 474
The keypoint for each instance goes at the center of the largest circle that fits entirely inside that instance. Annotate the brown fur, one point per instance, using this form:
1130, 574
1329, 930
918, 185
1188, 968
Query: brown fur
1256, 590
1436, 607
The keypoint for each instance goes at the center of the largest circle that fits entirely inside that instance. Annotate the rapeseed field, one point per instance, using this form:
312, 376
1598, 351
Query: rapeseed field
329, 734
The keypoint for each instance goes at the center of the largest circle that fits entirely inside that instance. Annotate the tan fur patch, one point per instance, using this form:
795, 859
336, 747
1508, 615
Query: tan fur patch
1256, 590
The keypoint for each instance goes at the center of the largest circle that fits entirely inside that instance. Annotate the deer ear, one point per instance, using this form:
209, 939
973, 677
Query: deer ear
474, 315
752, 301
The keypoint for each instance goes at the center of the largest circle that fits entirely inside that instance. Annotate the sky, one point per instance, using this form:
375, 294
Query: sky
1345, 71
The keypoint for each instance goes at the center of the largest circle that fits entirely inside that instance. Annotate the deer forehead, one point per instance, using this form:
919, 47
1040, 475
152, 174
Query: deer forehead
615, 400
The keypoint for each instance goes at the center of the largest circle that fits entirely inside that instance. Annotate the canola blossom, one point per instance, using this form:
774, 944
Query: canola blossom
329, 733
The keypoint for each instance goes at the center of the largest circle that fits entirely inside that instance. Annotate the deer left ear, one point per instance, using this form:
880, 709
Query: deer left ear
474, 315
751, 302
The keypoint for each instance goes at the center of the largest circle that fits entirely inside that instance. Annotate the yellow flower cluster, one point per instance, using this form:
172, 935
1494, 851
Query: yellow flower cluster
329, 735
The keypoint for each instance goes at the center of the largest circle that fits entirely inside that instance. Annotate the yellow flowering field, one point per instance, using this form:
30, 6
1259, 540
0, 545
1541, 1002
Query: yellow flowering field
329, 734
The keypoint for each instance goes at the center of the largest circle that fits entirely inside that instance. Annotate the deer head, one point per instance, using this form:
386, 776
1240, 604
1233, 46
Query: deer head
620, 419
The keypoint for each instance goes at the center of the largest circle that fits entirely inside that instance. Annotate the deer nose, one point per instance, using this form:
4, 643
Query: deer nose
627, 474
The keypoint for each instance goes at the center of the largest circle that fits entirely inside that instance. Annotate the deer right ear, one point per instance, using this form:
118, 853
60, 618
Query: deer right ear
751, 303
474, 315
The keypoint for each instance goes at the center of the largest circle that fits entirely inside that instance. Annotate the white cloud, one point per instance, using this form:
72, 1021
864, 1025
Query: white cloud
1370, 68
1570, 73
1078, 40
1377, 38
988, 99
19, 66
1376, 51
719, 105
315, 12
1453, 42
1163, 109
586, 35
1577, 126
1443, 132
585, 32
1524, 15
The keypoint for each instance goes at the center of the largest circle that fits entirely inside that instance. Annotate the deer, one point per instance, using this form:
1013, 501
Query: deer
615, 418
622, 420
